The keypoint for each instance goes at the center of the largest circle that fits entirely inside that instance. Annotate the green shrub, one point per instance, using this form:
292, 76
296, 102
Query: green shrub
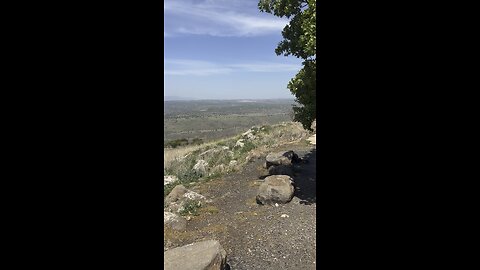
190, 208
196, 141
176, 143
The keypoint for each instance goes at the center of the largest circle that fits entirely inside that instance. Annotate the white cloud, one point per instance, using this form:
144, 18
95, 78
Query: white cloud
182, 67
193, 67
266, 67
219, 18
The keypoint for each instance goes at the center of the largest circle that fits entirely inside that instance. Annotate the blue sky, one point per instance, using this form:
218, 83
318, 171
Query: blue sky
224, 49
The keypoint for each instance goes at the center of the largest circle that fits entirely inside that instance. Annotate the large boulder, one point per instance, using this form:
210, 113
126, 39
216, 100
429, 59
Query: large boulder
276, 189
281, 158
281, 170
174, 221
205, 255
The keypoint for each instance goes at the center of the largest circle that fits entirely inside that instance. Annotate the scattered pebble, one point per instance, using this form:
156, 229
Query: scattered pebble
284, 215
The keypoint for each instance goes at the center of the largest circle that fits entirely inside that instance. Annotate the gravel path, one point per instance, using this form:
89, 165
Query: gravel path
256, 236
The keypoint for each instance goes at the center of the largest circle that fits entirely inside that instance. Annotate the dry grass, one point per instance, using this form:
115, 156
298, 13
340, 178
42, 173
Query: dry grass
171, 154
218, 154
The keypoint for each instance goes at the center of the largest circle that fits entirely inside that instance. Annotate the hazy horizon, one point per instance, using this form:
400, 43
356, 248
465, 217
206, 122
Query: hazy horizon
182, 98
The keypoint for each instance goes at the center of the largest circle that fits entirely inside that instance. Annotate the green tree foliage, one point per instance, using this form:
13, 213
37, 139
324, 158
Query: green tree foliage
299, 39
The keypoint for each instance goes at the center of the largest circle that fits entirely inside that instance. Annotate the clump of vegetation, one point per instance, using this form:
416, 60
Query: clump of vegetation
183, 142
176, 143
241, 151
190, 208
196, 141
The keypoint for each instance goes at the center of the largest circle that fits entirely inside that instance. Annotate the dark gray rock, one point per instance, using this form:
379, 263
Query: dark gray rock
205, 255
281, 158
281, 170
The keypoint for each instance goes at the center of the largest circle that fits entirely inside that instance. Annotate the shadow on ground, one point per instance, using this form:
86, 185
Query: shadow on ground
306, 178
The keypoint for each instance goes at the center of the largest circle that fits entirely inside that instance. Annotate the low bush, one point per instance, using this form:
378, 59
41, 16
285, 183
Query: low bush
190, 208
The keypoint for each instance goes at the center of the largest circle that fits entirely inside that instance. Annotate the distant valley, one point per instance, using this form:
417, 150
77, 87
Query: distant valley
214, 119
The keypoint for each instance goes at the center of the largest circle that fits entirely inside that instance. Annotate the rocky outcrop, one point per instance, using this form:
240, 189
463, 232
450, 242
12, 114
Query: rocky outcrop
275, 189
174, 221
205, 255
179, 196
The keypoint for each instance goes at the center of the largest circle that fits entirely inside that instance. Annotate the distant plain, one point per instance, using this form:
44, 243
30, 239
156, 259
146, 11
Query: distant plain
211, 120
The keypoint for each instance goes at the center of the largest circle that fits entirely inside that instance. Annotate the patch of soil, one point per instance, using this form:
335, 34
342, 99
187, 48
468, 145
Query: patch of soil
257, 236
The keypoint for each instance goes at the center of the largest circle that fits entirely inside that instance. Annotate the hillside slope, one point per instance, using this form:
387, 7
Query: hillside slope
257, 236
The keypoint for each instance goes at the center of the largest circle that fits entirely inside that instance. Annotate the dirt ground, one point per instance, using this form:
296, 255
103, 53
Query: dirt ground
257, 236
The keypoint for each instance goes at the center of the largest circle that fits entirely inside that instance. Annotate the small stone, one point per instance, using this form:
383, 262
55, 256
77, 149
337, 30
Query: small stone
284, 216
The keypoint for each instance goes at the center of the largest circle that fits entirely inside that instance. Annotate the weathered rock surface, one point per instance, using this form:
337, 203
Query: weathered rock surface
205, 255
168, 179
281, 170
176, 194
201, 167
174, 221
179, 196
281, 158
276, 189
